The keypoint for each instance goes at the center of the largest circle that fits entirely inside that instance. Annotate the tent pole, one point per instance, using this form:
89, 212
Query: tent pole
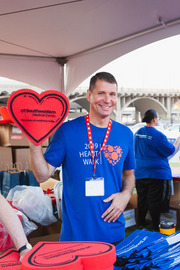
62, 61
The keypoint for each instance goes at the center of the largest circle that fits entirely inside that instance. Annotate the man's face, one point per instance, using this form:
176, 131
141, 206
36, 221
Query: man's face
103, 98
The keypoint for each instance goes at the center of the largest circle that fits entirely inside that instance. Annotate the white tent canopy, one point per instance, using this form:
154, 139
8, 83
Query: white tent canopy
39, 37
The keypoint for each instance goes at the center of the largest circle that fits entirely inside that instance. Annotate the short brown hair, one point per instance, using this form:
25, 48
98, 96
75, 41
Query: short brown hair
103, 76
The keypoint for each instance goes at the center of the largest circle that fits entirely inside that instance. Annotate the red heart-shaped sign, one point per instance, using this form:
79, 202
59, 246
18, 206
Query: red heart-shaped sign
9, 260
38, 115
70, 256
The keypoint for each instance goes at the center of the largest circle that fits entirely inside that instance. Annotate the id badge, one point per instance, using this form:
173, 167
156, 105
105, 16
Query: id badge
94, 187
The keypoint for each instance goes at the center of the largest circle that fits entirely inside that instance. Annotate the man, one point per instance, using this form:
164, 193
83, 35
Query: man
97, 160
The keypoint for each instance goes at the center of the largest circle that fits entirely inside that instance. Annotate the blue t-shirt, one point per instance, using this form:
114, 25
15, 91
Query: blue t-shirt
152, 149
70, 147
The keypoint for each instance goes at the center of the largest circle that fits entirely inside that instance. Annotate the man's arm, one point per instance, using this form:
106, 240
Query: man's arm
12, 224
120, 199
42, 169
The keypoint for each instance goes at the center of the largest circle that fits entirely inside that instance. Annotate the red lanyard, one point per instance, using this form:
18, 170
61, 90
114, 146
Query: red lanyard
91, 142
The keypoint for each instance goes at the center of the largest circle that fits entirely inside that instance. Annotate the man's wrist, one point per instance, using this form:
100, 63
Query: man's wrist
24, 247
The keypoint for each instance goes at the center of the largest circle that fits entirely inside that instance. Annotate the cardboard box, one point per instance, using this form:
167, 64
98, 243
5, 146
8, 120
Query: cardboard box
45, 238
175, 201
132, 205
129, 216
176, 196
133, 201
49, 184
5, 158
175, 205
171, 216
12, 136
21, 157
45, 233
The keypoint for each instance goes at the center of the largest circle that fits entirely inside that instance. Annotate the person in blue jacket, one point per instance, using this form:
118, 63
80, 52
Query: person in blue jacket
97, 157
153, 173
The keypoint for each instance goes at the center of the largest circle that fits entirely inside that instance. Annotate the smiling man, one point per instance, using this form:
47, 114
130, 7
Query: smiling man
102, 97
98, 164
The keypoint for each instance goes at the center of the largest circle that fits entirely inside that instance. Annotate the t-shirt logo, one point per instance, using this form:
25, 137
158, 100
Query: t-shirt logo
113, 154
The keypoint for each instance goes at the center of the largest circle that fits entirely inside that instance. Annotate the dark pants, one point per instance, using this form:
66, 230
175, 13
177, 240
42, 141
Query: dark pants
153, 195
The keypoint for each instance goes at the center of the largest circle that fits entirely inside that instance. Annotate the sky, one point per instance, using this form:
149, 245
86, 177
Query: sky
153, 66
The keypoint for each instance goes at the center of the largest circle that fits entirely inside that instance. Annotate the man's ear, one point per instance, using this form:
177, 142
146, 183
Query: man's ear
88, 96
154, 119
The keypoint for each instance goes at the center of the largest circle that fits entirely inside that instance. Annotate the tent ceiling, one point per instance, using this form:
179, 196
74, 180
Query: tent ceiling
86, 33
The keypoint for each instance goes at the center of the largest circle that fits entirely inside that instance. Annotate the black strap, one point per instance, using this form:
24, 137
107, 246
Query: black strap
22, 248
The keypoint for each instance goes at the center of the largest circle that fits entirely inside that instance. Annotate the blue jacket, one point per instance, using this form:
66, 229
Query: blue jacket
152, 149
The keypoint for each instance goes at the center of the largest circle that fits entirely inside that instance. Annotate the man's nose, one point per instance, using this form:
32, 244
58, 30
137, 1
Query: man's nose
107, 98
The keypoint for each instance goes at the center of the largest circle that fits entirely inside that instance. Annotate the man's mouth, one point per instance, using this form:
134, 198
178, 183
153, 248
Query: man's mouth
105, 107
